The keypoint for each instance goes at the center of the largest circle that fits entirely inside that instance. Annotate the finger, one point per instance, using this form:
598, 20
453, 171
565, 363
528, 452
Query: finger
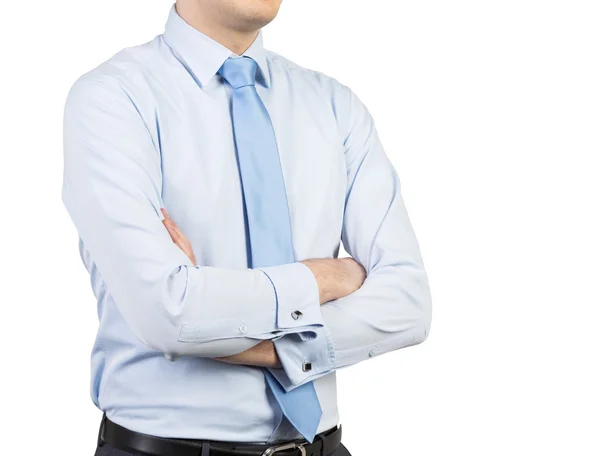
187, 251
170, 224
179, 232
183, 247
171, 229
179, 238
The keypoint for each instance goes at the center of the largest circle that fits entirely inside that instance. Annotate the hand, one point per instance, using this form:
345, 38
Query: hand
336, 277
178, 237
261, 355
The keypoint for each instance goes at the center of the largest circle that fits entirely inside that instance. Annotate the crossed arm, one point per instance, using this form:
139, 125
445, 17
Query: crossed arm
112, 190
335, 279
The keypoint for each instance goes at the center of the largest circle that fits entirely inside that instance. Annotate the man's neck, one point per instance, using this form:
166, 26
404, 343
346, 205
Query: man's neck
235, 40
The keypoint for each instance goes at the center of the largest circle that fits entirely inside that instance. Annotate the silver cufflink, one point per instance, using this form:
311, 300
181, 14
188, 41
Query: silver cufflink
296, 314
306, 366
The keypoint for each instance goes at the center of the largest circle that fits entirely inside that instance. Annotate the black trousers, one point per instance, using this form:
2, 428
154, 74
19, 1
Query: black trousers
107, 450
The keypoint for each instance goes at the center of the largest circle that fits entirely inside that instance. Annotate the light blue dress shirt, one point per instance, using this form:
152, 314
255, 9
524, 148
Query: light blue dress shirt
151, 128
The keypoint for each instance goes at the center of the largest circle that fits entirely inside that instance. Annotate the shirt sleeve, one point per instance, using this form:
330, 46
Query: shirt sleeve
392, 309
112, 191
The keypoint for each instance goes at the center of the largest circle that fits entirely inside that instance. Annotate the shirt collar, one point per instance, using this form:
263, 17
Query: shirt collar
203, 55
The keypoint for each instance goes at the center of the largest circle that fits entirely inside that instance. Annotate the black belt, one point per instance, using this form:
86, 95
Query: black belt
121, 438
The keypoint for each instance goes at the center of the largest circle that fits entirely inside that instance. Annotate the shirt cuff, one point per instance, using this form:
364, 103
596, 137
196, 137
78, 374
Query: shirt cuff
298, 307
303, 360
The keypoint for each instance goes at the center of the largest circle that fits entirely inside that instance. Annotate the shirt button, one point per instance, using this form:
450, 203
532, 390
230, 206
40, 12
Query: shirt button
372, 352
297, 315
306, 366
242, 329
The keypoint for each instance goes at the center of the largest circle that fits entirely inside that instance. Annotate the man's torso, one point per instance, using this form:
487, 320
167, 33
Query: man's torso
190, 126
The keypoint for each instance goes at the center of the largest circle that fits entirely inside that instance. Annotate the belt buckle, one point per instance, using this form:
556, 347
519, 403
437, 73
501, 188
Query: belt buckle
287, 446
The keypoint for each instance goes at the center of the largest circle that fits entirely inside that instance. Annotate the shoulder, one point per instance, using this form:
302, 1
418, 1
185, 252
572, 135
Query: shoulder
340, 97
281, 66
120, 76
102, 114
345, 105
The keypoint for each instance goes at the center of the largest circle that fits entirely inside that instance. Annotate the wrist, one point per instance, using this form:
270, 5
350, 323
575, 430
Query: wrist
261, 355
268, 354
329, 275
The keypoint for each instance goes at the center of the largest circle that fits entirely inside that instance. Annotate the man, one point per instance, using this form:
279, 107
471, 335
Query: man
211, 182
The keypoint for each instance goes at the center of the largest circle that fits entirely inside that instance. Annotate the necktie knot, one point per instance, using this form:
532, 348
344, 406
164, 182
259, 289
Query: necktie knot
239, 71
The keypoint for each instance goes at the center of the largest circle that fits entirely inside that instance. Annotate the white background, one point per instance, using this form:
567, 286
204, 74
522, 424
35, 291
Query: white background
490, 111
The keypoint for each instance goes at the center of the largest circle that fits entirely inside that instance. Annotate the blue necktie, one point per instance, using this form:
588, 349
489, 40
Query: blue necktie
269, 225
